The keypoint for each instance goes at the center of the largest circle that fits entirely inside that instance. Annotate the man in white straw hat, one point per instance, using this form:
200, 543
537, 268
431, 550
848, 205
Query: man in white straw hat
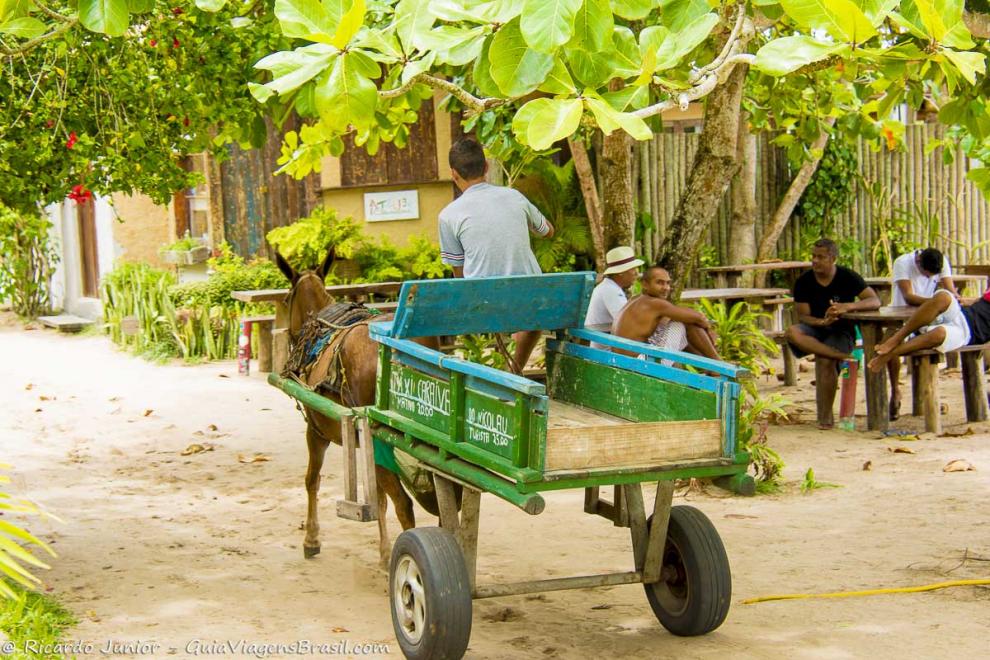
609, 297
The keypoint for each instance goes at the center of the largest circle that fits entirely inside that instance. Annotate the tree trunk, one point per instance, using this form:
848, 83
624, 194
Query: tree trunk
592, 204
618, 213
742, 231
712, 171
768, 244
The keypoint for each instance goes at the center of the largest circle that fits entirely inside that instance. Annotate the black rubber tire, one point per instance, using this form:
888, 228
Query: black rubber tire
447, 621
696, 601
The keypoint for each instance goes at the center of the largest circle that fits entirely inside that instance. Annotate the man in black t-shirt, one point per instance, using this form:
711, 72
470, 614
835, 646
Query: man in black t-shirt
821, 296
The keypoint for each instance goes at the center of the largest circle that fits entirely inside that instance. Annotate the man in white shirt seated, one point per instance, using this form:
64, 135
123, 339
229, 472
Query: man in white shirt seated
609, 297
917, 276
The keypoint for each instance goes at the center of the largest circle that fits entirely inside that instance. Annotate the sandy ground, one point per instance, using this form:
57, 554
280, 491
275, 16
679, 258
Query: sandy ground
194, 552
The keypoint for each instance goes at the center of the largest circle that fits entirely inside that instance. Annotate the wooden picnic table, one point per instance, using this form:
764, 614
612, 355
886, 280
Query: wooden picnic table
728, 276
280, 335
774, 298
884, 285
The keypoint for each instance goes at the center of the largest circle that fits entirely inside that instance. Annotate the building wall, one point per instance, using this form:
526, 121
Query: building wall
67, 279
433, 196
143, 228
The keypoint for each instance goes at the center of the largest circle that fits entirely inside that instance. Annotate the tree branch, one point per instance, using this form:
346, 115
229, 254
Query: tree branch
28, 45
468, 99
731, 45
704, 87
52, 13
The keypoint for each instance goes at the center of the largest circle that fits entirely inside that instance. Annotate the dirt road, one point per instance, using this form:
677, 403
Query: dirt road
190, 554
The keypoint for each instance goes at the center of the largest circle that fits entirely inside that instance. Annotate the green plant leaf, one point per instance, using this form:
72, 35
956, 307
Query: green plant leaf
593, 25
413, 21
552, 120
625, 60
787, 54
591, 69
632, 9
455, 45
840, 18
208, 5
312, 20
968, 63
521, 121
348, 95
559, 81
25, 27
291, 69
107, 16
609, 119
548, 24
678, 14
516, 68
481, 72
349, 25
673, 49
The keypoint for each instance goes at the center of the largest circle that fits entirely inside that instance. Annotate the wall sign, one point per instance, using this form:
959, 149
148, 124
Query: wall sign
393, 205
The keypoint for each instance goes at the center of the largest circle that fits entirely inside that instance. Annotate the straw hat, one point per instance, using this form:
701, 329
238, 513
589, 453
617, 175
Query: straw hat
621, 259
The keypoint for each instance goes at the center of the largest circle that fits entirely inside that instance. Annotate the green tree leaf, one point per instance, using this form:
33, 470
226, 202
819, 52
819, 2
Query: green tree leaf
211, 6
593, 25
516, 68
481, 72
413, 21
787, 54
349, 25
552, 120
455, 45
678, 14
293, 68
673, 49
559, 81
107, 16
632, 9
521, 121
609, 120
591, 69
840, 18
548, 24
968, 63
25, 27
309, 19
625, 59
348, 96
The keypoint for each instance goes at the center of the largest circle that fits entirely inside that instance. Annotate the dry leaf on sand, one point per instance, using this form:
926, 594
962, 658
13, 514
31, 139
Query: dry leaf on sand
959, 465
867, 466
257, 458
196, 448
901, 450
148, 412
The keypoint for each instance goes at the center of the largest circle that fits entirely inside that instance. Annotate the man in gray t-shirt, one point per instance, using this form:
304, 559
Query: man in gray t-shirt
485, 231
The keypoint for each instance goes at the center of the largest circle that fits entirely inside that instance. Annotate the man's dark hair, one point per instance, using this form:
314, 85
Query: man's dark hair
829, 245
931, 261
467, 158
649, 270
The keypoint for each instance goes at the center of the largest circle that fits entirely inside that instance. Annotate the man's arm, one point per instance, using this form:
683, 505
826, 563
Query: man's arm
458, 271
686, 315
949, 285
910, 297
803, 310
868, 301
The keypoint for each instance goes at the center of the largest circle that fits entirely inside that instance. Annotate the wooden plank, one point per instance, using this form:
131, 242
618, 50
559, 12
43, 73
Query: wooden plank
368, 462
265, 347
493, 304
974, 386
65, 322
928, 386
631, 445
467, 533
625, 394
566, 416
657, 539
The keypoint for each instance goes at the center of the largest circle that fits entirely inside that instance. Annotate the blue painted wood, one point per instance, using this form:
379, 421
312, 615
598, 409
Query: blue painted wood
429, 308
645, 367
715, 366
436, 358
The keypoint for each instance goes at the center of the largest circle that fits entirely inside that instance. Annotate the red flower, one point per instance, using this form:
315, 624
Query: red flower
79, 194
50, 123
175, 43
185, 121
71, 142
153, 43
177, 11
890, 138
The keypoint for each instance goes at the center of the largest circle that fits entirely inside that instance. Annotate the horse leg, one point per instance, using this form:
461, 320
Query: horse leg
317, 451
390, 486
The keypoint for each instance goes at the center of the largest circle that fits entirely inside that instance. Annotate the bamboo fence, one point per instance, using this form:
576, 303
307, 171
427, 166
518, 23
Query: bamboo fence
911, 181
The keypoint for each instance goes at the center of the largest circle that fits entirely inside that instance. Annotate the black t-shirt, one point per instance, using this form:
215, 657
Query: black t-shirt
844, 287
978, 315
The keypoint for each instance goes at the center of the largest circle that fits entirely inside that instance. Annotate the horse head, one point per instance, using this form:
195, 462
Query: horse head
308, 294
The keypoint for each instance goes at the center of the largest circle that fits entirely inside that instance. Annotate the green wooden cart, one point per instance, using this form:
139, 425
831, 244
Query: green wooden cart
601, 419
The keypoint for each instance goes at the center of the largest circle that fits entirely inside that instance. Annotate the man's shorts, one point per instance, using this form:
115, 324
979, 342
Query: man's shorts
840, 340
670, 336
953, 321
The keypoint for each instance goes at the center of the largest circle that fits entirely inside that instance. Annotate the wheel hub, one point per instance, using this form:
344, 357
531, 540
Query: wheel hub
410, 598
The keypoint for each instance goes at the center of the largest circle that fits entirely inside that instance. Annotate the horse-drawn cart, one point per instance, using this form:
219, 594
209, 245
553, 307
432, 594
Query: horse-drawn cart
601, 419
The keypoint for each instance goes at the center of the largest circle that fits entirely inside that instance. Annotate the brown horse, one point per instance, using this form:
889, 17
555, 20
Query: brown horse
359, 364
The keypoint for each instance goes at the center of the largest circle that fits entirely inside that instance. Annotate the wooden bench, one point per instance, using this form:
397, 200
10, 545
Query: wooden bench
924, 385
790, 360
776, 308
265, 324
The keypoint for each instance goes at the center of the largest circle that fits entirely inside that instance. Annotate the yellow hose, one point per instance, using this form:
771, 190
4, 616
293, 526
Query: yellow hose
869, 592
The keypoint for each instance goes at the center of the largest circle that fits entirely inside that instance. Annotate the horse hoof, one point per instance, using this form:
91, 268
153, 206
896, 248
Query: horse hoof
309, 552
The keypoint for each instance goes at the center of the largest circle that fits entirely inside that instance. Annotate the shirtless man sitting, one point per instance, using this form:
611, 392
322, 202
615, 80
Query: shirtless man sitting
652, 319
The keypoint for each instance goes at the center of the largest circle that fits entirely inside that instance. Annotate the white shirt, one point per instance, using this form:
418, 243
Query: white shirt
607, 300
905, 268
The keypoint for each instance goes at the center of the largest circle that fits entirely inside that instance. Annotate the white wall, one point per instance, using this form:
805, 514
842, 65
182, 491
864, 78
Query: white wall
67, 280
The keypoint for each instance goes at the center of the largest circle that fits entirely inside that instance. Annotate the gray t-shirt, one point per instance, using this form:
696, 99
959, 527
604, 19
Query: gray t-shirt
486, 230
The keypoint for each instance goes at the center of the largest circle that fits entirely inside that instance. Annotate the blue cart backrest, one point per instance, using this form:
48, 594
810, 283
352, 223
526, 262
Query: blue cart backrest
429, 308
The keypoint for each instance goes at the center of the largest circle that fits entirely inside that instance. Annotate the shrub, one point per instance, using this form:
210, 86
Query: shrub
14, 558
28, 255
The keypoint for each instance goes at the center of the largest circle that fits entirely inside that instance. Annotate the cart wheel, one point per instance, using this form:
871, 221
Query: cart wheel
430, 594
692, 596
